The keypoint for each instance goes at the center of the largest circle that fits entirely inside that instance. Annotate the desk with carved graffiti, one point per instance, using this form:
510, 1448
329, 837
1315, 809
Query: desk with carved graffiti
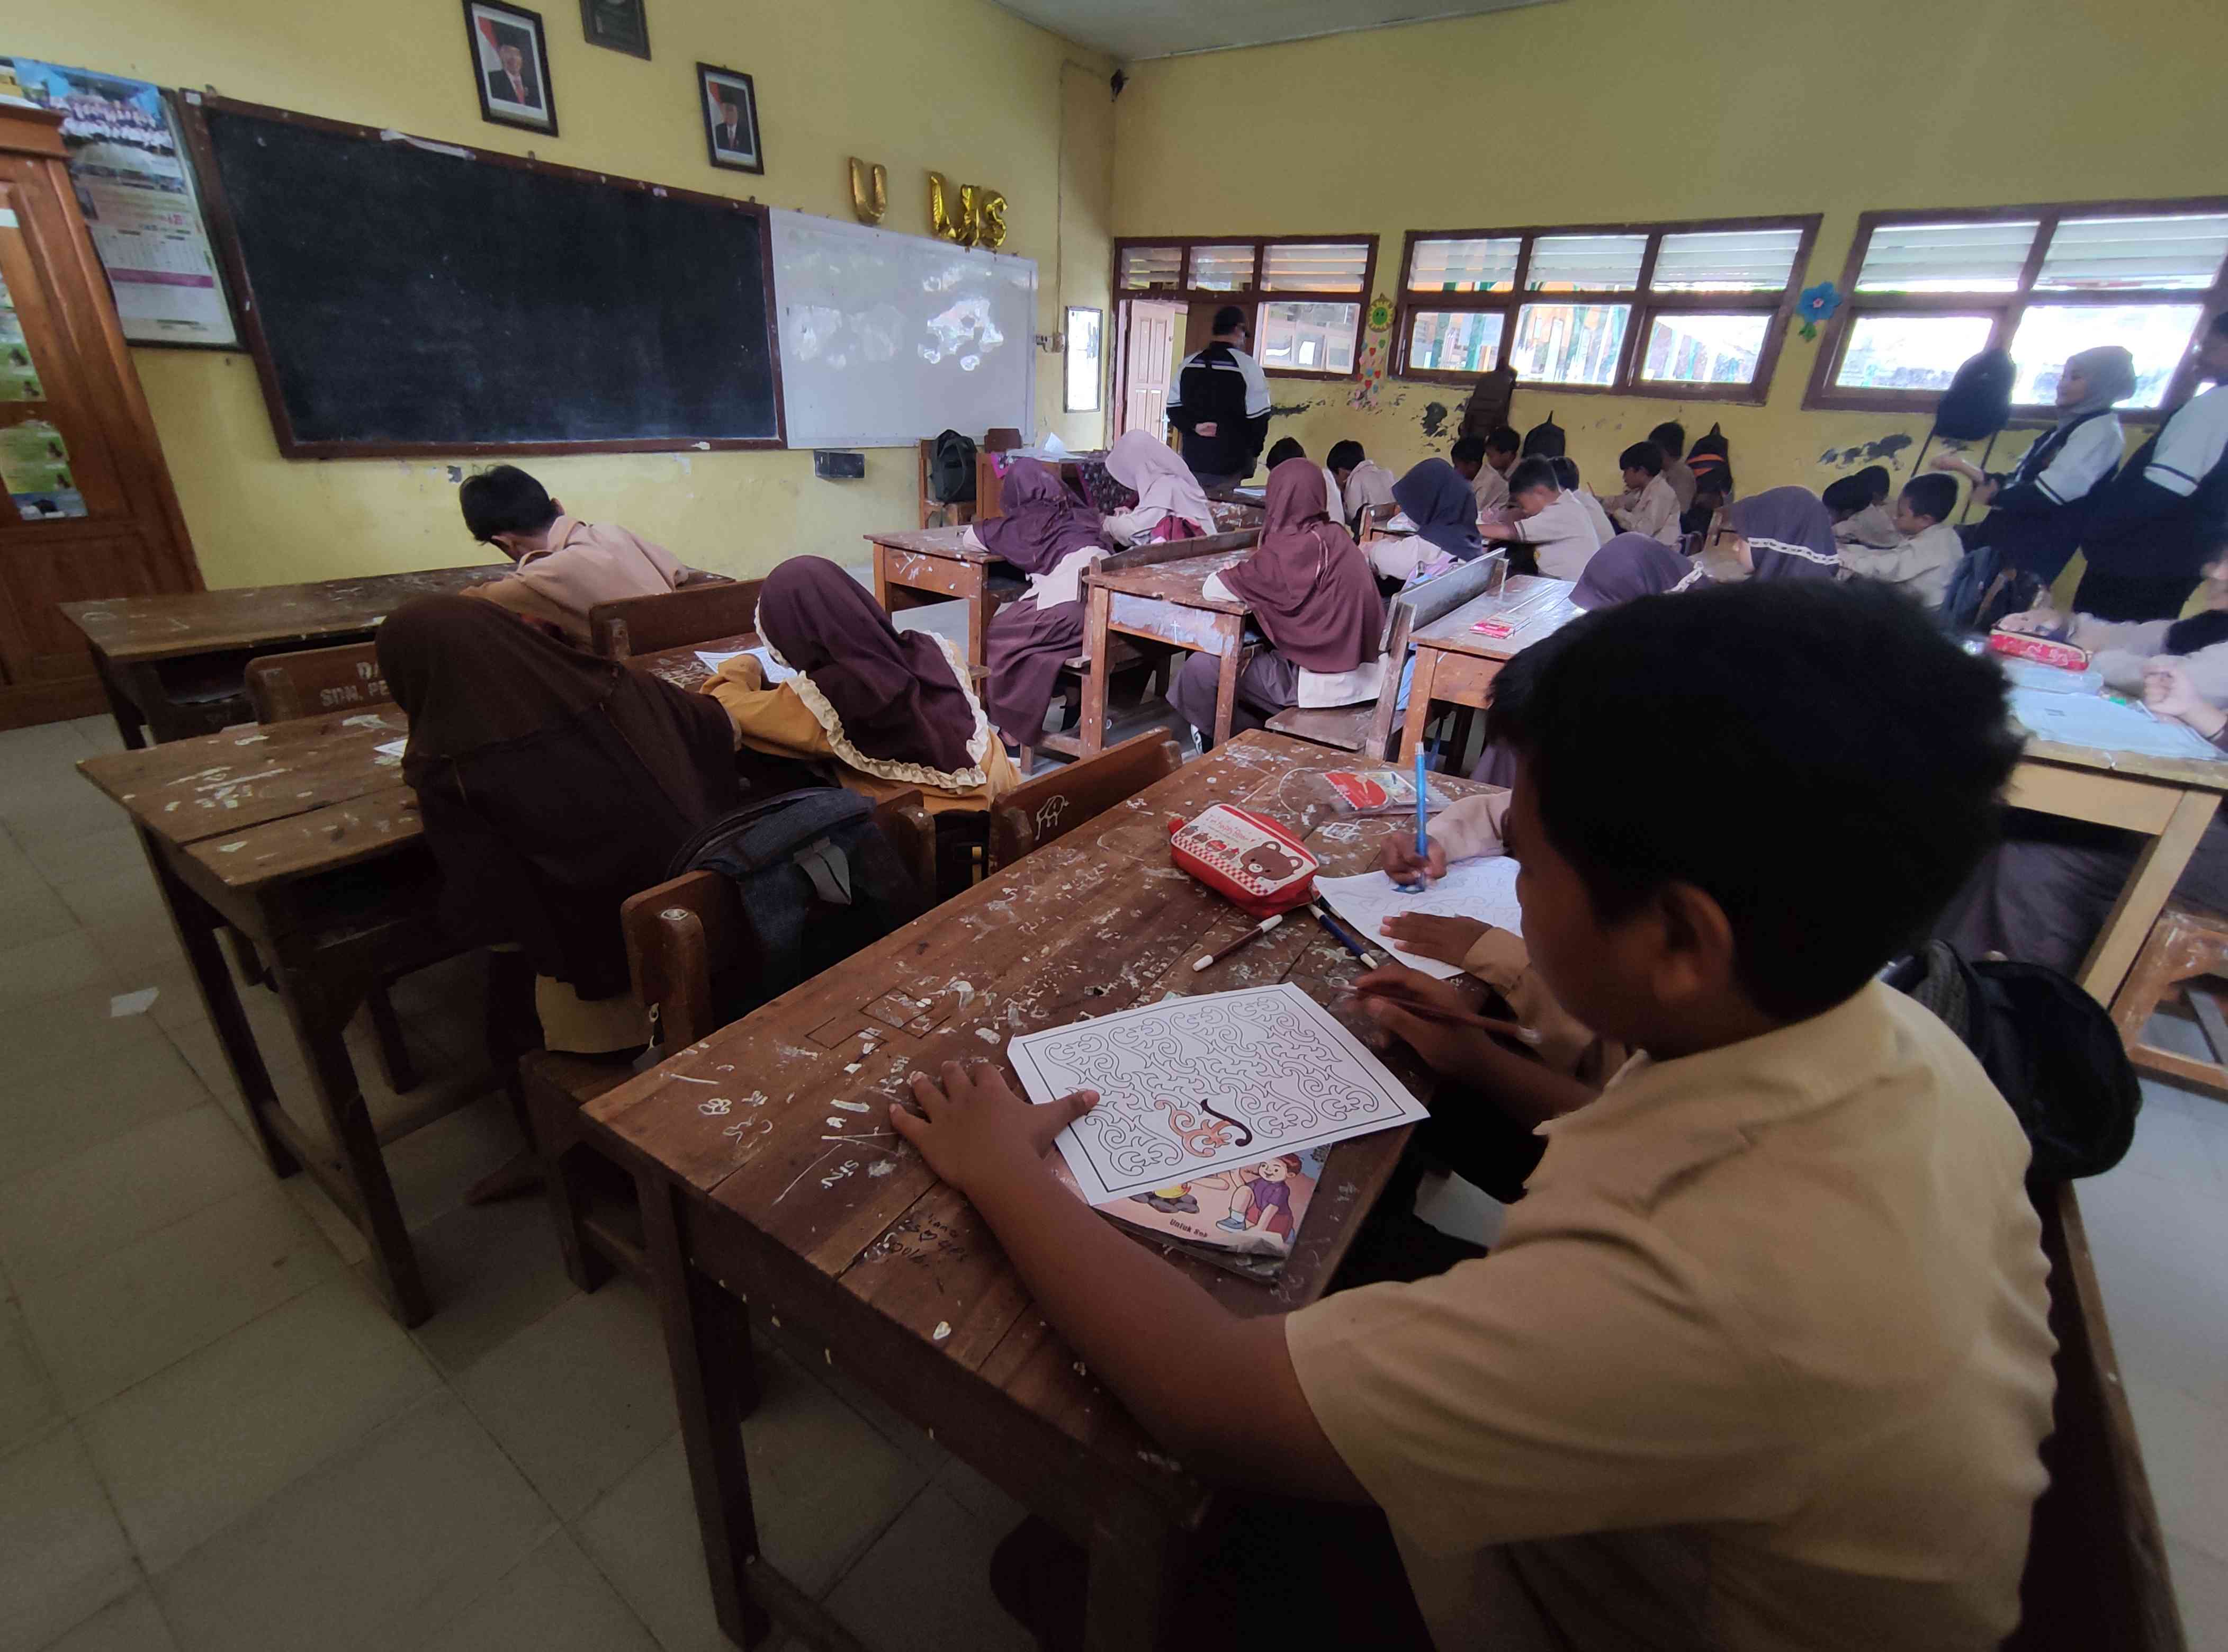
767, 1172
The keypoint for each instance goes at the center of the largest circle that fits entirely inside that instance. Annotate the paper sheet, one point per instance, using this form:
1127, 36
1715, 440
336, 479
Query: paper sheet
392, 748
2049, 679
1483, 887
1192, 1085
772, 674
2091, 720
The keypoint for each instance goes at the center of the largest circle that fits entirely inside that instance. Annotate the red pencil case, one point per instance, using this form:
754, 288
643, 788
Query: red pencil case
2039, 648
1246, 858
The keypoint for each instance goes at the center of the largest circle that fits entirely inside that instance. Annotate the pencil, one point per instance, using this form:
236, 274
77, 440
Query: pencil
1422, 825
1423, 1011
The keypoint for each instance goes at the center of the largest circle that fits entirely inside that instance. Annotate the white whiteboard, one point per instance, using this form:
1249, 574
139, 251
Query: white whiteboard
887, 338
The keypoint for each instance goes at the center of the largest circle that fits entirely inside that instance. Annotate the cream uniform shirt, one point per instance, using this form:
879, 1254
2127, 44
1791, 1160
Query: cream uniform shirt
1761, 1362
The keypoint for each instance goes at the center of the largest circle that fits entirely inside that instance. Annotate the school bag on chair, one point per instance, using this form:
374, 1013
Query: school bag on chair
951, 470
817, 881
1544, 440
2050, 1049
1983, 588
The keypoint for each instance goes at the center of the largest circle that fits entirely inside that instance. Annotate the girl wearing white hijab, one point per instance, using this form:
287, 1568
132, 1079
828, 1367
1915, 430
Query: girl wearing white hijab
1170, 504
2042, 507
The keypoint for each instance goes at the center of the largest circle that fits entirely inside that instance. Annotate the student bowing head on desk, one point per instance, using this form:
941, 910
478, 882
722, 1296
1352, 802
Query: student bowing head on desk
1443, 512
891, 710
566, 567
1762, 1357
552, 785
1171, 503
1781, 534
1052, 537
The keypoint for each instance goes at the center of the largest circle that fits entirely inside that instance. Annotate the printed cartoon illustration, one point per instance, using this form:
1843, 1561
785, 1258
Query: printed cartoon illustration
1263, 1197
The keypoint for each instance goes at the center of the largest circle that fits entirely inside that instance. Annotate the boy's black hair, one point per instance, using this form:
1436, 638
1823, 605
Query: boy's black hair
1228, 319
1671, 437
1534, 472
1344, 456
2220, 321
504, 499
1287, 447
1932, 495
1846, 496
1877, 483
1641, 456
1816, 757
1567, 473
1502, 439
1468, 451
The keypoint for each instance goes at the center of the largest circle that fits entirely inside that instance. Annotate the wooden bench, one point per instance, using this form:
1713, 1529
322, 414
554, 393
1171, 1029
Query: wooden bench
696, 614
2186, 945
1053, 805
315, 683
678, 935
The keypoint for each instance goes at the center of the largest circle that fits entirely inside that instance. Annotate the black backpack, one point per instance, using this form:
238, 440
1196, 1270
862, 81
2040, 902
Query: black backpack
1983, 587
1978, 402
817, 880
951, 470
1544, 440
2050, 1049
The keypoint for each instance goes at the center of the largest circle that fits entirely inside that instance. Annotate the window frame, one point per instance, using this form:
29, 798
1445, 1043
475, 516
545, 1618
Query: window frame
1252, 295
1645, 305
2007, 309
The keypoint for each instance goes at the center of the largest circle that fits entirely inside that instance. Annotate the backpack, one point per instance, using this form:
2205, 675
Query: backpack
1544, 440
1978, 402
1983, 587
951, 470
1489, 401
817, 881
2050, 1049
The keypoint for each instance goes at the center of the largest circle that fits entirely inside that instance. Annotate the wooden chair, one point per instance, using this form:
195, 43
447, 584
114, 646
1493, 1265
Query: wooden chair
1373, 521
1031, 815
317, 680
2185, 944
696, 614
1367, 729
678, 935
2096, 1572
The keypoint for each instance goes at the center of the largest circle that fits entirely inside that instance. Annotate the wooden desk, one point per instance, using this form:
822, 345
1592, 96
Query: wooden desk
913, 560
2169, 800
1454, 664
1163, 603
840, 1234
172, 664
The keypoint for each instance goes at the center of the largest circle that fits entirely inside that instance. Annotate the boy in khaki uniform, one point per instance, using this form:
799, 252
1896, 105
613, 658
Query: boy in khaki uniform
1761, 1360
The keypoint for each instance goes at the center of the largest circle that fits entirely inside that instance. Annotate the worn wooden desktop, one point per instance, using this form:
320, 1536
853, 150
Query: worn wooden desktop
767, 1172
1164, 603
913, 566
166, 661
1456, 665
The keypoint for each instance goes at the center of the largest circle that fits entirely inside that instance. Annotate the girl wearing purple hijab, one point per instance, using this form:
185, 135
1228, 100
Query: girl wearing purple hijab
1311, 595
1052, 537
1632, 565
1434, 496
1781, 534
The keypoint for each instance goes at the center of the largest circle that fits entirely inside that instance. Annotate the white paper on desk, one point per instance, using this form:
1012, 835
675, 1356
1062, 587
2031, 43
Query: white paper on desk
2092, 719
772, 674
392, 748
2049, 679
1483, 887
1191, 1086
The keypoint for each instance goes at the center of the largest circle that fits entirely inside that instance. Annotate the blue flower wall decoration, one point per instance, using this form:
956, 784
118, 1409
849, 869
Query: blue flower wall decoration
1818, 304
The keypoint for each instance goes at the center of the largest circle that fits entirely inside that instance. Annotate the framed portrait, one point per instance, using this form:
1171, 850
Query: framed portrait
730, 107
1085, 356
621, 25
510, 66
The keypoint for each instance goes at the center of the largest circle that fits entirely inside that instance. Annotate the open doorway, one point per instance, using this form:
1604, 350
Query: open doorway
1152, 341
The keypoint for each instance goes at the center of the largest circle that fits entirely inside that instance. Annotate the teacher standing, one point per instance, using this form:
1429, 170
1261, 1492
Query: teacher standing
1221, 404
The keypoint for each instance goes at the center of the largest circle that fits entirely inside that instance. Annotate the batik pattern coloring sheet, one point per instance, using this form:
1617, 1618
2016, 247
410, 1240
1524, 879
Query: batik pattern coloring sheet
1191, 1085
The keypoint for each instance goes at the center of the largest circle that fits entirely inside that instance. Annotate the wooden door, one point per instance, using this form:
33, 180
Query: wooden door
1151, 330
85, 504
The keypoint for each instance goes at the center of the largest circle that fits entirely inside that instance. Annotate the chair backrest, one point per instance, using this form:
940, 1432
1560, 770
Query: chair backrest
1420, 605
281, 687
1373, 518
684, 931
697, 613
1179, 550
1436, 598
1051, 806
2096, 1557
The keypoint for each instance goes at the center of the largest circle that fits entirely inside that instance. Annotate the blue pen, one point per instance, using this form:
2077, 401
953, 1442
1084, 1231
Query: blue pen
1344, 937
1423, 830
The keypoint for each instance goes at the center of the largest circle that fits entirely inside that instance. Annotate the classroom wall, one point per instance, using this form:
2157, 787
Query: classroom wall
1620, 110
958, 86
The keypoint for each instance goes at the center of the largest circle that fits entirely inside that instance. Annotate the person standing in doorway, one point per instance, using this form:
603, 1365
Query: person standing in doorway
1221, 404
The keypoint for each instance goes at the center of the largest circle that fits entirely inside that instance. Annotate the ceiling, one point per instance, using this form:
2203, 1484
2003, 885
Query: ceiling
1132, 29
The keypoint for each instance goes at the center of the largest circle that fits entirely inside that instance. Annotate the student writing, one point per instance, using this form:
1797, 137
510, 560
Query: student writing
1362, 481
1550, 521
1762, 1359
1566, 478
1442, 511
1171, 503
1647, 505
566, 567
1928, 551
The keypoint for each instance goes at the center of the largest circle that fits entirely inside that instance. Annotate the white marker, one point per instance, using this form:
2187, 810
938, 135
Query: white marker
1214, 958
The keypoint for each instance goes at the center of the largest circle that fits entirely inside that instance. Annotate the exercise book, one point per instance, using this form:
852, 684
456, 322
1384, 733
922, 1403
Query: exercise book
1483, 887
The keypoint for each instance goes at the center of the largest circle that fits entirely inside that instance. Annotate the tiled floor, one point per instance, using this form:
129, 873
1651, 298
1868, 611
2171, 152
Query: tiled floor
211, 1436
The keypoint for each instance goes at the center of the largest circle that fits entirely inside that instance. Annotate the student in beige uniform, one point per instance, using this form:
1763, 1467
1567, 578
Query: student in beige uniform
566, 567
1670, 439
1762, 1359
1550, 521
1647, 505
1927, 549
1484, 463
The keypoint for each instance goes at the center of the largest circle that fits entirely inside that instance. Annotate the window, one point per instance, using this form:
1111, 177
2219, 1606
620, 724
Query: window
1928, 290
1695, 310
1307, 295
1084, 329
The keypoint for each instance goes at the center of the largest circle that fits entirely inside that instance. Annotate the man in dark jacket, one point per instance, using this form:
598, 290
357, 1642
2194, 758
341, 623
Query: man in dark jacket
1222, 405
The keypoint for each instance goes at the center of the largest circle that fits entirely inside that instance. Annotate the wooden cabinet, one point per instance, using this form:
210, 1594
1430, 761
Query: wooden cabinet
87, 508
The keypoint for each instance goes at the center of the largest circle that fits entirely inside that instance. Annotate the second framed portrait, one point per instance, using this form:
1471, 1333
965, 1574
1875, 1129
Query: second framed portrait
730, 107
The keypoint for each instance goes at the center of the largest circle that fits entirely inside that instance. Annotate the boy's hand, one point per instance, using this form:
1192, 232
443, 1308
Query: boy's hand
975, 1130
2035, 622
1451, 1050
1447, 939
1207, 429
2168, 691
1399, 861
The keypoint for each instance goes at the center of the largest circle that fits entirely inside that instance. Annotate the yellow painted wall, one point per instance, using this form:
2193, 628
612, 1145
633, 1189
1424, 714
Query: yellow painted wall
959, 86
1620, 110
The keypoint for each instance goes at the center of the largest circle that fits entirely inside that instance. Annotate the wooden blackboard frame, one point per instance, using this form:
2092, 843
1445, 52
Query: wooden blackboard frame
225, 234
